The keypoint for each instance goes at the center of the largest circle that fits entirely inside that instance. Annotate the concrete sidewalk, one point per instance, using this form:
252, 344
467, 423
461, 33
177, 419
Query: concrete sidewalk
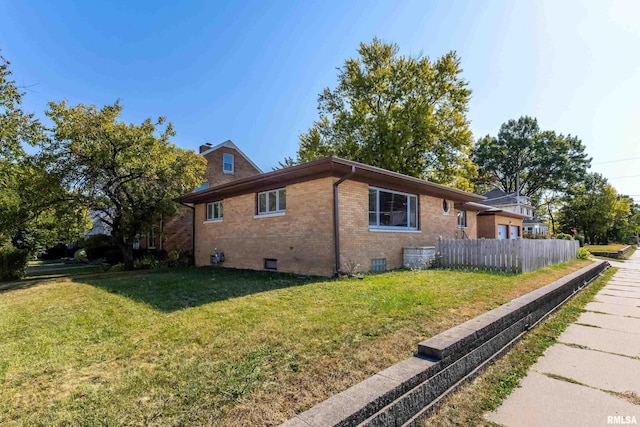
591, 377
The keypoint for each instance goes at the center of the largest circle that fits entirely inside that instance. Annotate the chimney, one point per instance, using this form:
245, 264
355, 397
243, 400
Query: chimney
204, 147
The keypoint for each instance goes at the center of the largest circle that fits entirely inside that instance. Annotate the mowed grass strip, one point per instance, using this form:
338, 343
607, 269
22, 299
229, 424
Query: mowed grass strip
486, 392
614, 247
205, 346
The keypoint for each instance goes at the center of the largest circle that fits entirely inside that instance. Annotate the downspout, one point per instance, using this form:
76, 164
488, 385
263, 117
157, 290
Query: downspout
336, 220
193, 230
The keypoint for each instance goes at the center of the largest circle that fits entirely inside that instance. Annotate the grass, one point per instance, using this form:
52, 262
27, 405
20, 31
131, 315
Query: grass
605, 248
206, 346
486, 392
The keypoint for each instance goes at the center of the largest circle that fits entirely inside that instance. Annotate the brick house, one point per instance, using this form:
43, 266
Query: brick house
225, 163
327, 216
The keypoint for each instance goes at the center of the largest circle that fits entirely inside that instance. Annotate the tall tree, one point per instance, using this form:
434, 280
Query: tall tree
405, 114
591, 208
29, 191
539, 160
129, 173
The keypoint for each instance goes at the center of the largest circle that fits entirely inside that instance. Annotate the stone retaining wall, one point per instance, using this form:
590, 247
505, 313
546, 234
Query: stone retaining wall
409, 390
615, 255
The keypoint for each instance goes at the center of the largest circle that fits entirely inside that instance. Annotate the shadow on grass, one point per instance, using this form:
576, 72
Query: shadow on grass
177, 289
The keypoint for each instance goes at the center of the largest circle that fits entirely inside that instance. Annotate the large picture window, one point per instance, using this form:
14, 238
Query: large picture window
214, 211
392, 210
273, 201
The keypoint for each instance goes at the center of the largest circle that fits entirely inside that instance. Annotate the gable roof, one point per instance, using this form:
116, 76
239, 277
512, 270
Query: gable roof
229, 144
325, 167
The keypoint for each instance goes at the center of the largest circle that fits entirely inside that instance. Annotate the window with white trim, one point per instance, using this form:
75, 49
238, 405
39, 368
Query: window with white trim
227, 163
392, 210
272, 201
214, 211
462, 219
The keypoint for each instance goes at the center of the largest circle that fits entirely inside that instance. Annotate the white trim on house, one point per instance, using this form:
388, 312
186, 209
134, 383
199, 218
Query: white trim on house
210, 214
229, 144
231, 171
279, 208
409, 197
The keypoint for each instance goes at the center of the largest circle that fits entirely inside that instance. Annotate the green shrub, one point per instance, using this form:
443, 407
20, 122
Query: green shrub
563, 236
98, 245
13, 263
583, 253
80, 256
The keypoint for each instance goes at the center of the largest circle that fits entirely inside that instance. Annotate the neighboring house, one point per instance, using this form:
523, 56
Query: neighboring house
225, 163
535, 227
328, 216
509, 202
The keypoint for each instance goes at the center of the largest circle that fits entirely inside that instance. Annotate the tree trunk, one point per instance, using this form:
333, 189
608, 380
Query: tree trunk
553, 222
127, 254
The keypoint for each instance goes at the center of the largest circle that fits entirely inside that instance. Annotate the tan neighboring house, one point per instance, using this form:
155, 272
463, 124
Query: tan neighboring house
331, 215
225, 163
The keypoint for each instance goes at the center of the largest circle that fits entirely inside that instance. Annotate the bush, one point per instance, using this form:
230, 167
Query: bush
113, 256
13, 263
56, 252
98, 245
180, 258
563, 236
80, 256
583, 253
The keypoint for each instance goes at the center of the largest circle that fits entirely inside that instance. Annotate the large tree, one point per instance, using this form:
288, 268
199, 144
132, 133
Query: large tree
406, 114
30, 193
127, 173
591, 208
539, 160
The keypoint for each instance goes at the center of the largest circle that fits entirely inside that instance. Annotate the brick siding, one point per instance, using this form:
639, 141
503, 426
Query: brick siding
302, 239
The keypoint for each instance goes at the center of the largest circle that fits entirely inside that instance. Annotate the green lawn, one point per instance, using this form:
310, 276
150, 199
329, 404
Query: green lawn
204, 346
606, 248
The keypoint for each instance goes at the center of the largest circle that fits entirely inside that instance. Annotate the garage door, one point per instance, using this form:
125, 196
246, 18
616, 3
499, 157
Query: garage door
502, 231
515, 232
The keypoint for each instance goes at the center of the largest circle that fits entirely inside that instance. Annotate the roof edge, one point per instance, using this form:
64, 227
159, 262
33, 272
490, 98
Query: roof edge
230, 144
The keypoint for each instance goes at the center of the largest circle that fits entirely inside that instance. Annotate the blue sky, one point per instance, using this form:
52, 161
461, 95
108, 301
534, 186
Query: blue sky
251, 71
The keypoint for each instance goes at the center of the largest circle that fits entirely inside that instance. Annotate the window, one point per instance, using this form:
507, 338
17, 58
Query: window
445, 206
379, 264
227, 163
214, 211
202, 186
273, 201
271, 264
392, 210
151, 239
462, 219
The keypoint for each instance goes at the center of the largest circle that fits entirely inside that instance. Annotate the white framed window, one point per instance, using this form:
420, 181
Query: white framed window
214, 211
227, 163
392, 210
462, 219
272, 201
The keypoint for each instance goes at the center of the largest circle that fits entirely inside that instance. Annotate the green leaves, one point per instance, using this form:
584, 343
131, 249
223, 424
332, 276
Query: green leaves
542, 160
406, 114
130, 173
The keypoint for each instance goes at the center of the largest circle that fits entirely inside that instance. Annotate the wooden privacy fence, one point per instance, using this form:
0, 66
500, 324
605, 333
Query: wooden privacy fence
519, 255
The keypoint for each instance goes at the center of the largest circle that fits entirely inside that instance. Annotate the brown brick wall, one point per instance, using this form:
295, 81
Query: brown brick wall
360, 245
488, 225
301, 239
177, 231
214, 174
